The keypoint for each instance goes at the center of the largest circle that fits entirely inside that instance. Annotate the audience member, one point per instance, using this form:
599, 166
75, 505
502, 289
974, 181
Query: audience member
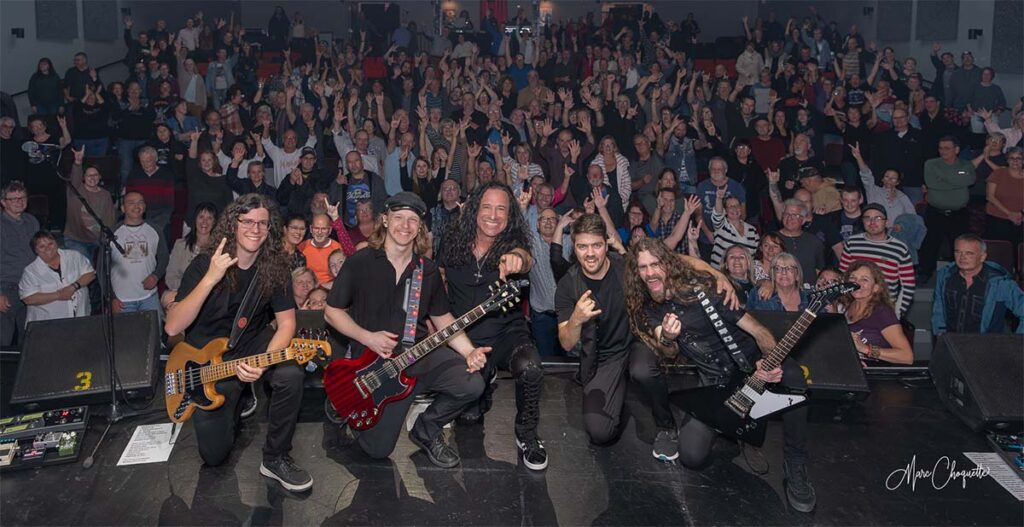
135, 274
875, 327
16, 253
949, 179
56, 284
890, 255
975, 295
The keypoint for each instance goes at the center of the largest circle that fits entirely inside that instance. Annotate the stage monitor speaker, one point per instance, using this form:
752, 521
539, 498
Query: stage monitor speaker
980, 378
64, 362
825, 352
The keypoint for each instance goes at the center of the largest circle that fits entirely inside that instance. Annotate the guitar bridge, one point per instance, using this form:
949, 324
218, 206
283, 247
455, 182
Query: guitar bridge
171, 383
739, 403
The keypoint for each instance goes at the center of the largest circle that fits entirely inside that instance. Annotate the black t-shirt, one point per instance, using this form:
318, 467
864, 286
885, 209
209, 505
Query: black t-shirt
613, 333
367, 289
465, 292
699, 341
216, 317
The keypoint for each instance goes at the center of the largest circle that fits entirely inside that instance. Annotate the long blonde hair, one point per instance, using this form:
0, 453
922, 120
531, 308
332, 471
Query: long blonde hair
380, 233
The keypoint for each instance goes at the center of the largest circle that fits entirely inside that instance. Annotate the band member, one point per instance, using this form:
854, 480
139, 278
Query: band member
491, 242
215, 300
665, 313
367, 304
591, 310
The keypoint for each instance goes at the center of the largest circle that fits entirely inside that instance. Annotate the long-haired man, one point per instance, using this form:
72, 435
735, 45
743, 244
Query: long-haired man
491, 242
234, 289
665, 312
368, 305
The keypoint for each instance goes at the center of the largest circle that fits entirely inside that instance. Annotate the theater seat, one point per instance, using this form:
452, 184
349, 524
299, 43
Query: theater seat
705, 65
1001, 252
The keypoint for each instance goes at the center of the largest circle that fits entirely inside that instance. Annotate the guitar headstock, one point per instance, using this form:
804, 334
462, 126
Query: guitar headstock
823, 296
504, 295
311, 344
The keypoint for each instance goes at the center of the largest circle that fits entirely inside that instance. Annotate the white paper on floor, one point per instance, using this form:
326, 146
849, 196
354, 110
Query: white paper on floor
150, 444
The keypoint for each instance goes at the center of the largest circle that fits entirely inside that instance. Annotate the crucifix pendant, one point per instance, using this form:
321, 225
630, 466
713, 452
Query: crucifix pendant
478, 275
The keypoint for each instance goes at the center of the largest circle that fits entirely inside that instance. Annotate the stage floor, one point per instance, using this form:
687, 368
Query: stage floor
853, 450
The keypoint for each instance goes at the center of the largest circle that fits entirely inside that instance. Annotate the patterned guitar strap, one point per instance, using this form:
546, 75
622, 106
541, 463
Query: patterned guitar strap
413, 292
723, 332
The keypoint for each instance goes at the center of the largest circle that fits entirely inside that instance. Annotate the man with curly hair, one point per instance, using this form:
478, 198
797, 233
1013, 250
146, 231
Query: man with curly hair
490, 242
664, 311
235, 289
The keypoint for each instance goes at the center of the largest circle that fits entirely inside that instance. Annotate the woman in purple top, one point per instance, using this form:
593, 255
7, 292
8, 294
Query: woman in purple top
876, 330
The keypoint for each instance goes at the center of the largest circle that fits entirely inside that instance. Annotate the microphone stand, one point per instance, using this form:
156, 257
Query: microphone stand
107, 239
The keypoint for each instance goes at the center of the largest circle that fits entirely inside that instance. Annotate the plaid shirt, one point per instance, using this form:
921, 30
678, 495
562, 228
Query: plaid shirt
664, 229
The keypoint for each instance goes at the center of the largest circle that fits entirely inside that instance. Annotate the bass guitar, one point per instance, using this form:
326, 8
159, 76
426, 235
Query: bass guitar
191, 374
360, 388
737, 407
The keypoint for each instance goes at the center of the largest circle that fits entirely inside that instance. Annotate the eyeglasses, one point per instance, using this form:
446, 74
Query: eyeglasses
873, 219
17, 199
250, 224
296, 228
319, 229
784, 269
548, 219
792, 215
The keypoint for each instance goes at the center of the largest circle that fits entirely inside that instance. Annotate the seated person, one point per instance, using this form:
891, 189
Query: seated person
317, 299
334, 262
303, 282
739, 267
827, 277
319, 247
876, 331
782, 291
186, 248
54, 285
294, 233
973, 281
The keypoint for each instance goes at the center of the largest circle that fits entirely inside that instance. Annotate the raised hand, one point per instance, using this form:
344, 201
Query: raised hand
332, 209
574, 153
473, 150
219, 264
79, 155
525, 197
773, 177
598, 198
854, 151
671, 327
510, 264
586, 308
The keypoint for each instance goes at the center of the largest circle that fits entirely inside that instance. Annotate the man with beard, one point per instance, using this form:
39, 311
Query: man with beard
235, 291
367, 305
489, 242
591, 311
665, 313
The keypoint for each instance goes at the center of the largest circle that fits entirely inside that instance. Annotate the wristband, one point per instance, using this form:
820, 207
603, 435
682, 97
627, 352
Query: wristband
875, 352
77, 285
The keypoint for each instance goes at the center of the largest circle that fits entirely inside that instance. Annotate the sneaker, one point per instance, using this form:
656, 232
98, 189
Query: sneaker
666, 445
287, 473
437, 450
799, 491
534, 455
249, 403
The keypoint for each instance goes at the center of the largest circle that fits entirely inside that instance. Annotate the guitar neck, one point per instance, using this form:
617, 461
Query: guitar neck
223, 370
434, 341
782, 348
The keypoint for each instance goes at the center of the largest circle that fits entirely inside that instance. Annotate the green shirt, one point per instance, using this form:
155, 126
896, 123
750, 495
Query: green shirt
948, 185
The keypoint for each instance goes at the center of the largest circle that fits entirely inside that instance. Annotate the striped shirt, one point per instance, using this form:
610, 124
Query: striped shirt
726, 236
893, 258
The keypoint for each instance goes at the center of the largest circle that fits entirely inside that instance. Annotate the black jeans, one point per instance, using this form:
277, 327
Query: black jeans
215, 429
605, 393
442, 371
696, 438
941, 226
514, 351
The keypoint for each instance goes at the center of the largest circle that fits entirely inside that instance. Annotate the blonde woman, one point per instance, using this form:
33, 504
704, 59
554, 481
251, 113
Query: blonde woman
615, 168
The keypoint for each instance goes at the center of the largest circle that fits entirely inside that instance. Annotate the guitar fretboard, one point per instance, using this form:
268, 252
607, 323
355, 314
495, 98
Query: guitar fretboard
783, 347
428, 344
223, 370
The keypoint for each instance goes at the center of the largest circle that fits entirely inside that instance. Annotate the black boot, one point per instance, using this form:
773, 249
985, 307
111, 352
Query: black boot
799, 491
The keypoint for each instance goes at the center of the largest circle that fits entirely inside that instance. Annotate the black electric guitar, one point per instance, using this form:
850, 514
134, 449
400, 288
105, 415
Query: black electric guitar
737, 408
191, 374
359, 388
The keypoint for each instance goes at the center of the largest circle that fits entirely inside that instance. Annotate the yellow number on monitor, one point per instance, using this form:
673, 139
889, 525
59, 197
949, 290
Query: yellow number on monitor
807, 374
84, 380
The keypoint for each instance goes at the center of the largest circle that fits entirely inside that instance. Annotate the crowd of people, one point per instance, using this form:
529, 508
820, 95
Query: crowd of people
815, 157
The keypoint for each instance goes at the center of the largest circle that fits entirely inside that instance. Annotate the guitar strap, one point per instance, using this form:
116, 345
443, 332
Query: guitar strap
723, 332
246, 309
413, 291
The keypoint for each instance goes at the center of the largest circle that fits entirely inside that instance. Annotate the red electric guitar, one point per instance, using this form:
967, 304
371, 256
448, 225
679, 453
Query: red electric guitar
360, 388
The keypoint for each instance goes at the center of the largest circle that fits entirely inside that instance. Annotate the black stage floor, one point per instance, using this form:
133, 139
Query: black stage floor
853, 450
